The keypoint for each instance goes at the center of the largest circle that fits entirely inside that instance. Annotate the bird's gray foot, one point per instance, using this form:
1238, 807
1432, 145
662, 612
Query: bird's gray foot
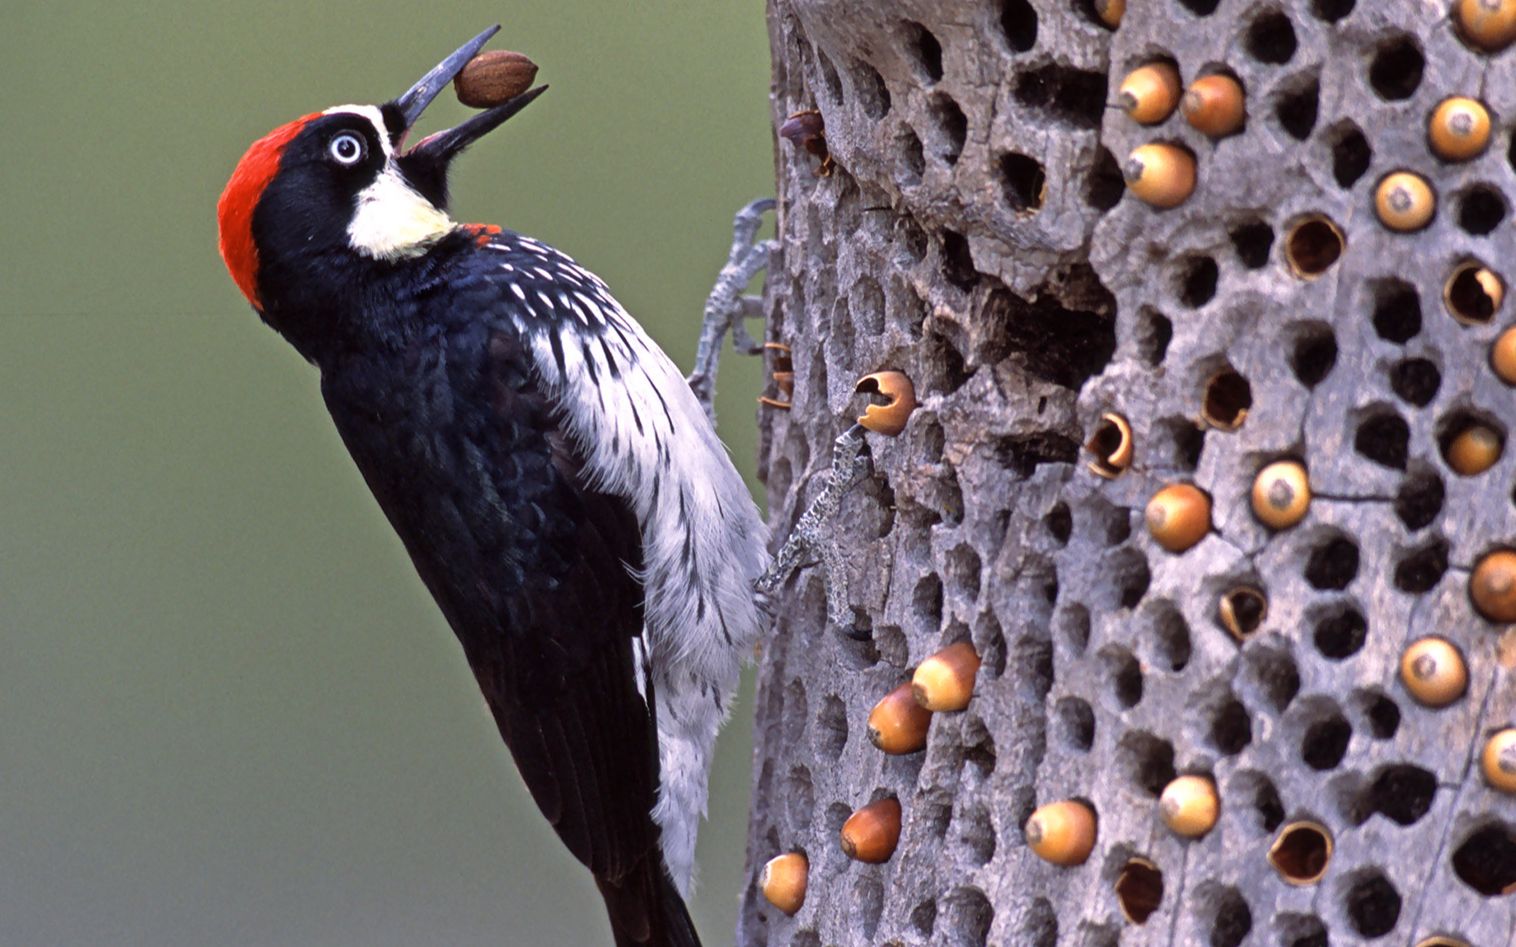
814, 536
728, 305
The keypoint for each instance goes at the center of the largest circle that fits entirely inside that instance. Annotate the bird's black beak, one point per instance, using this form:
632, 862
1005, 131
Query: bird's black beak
426, 163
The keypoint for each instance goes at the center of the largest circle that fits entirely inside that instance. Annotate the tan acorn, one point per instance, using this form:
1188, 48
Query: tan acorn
1161, 174
1434, 671
1189, 805
1459, 128
1498, 760
1474, 450
1179, 516
871, 833
1487, 24
1301, 852
898, 724
783, 881
494, 77
1150, 93
1110, 12
1503, 356
945, 681
1062, 832
1404, 201
1214, 105
1281, 494
1492, 586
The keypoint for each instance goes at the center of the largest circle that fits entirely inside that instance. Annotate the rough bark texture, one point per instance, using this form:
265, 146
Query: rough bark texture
1023, 311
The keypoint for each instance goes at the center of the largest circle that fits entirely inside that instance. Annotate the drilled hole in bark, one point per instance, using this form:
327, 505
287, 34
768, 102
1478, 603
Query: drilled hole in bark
1074, 627
927, 50
829, 76
1471, 293
1415, 381
1023, 181
1486, 860
967, 916
1402, 793
799, 797
1105, 185
1054, 340
1019, 23
1333, 564
1184, 440
1372, 903
1076, 96
1351, 155
1034, 667
1420, 570
926, 603
1385, 439
924, 917
1139, 890
1154, 333
1146, 761
1396, 70
1380, 712
952, 124
831, 728
865, 905
911, 153
1228, 397
1268, 808
1314, 355
1123, 674
1480, 210
1231, 730
1341, 633
1419, 500
1041, 923
1253, 241
1332, 10
1197, 281
1271, 39
1075, 723
1296, 109
1132, 577
1172, 636
1059, 523
957, 261
977, 832
872, 93
1274, 674
1301, 930
1326, 742
1397, 311
1313, 245
1233, 920
1200, 7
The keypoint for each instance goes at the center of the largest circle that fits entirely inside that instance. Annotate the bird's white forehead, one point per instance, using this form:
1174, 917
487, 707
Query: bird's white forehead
375, 118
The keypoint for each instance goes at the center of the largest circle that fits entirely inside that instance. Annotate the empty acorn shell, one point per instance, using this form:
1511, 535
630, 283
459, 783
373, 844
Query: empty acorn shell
888, 418
494, 77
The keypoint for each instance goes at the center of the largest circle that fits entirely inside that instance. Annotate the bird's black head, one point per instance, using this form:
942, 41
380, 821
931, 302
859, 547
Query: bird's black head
323, 201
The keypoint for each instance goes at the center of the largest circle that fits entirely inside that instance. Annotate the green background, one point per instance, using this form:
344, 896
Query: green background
229, 713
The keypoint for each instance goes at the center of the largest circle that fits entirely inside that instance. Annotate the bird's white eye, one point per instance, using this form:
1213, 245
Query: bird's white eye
347, 148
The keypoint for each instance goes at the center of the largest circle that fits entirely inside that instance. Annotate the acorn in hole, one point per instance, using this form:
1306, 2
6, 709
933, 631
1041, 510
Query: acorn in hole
1161, 174
898, 724
1281, 494
494, 77
1487, 24
871, 833
1112, 446
1214, 105
1438, 940
1179, 516
945, 681
1474, 449
1434, 671
1242, 611
1312, 245
1492, 586
1404, 201
1472, 293
783, 881
1110, 12
1189, 805
1062, 832
1503, 356
1149, 93
1139, 889
1498, 760
1301, 851
1459, 129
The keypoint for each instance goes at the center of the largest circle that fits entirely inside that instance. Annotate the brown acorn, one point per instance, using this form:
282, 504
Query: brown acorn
1474, 450
494, 77
1189, 805
1281, 494
1404, 201
1498, 760
1149, 93
871, 833
898, 724
1434, 671
1459, 128
1503, 356
783, 881
1179, 516
1487, 24
1492, 586
945, 681
1062, 832
1110, 12
1214, 105
1161, 174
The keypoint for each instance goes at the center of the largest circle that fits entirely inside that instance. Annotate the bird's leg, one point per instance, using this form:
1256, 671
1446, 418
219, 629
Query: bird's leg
814, 535
727, 306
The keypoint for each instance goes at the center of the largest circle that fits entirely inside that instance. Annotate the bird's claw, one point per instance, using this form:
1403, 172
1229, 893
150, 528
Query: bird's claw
728, 305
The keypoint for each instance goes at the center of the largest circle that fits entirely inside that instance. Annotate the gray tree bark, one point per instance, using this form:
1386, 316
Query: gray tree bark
976, 235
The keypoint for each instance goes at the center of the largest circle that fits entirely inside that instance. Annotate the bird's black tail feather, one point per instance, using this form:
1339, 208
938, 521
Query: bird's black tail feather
646, 909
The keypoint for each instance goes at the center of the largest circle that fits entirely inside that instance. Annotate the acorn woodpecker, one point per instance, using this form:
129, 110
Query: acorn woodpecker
559, 487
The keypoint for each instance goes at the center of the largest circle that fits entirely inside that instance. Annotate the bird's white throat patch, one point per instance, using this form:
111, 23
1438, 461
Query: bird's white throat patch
392, 220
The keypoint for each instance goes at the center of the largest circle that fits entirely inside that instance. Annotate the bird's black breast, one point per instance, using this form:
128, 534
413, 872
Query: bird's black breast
532, 568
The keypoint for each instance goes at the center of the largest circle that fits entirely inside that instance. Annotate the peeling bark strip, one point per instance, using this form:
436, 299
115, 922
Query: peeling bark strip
974, 232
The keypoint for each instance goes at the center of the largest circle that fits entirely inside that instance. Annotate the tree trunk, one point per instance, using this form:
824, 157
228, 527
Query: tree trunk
976, 234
